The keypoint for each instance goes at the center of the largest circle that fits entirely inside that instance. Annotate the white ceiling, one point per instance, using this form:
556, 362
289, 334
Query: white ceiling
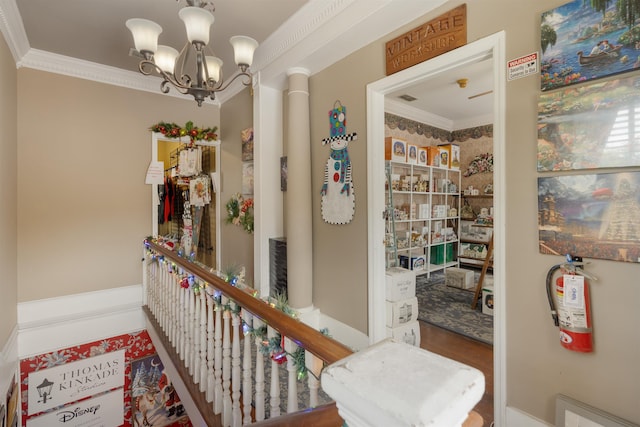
89, 39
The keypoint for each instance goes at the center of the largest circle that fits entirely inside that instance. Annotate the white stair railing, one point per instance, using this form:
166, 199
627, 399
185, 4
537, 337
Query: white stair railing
224, 346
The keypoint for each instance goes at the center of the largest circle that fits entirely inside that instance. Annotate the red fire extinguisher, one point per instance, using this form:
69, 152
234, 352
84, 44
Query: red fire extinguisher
570, 304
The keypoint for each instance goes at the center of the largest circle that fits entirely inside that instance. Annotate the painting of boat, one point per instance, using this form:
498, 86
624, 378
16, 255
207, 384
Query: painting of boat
598, 57
570, 36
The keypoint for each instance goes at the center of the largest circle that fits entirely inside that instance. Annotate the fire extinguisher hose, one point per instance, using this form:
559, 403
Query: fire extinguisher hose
550, 290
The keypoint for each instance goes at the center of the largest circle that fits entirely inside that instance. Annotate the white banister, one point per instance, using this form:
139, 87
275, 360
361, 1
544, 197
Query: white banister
210, 343
274, 391
246, 366
236, 378
260, 378
203, 340
196, 338
292, 376
217, 405
226, 365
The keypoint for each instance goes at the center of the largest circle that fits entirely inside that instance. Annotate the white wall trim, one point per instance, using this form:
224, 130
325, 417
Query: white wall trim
493, 47
515, 417
344, 333
51, 324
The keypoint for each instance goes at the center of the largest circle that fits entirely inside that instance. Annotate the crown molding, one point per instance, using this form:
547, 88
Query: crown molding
403, 110
319, 34
13, 30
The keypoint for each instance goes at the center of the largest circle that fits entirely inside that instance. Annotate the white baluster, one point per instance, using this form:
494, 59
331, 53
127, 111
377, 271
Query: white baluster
246, 365
226, 366
164, 305
292, 375
260, 393
210, 344
173, 325
188, 308
236, 371
203, 340
275, 382
181, 317
314, 368
195, 356
217, 405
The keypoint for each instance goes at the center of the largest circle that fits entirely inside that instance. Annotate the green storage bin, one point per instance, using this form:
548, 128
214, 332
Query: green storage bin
437, 254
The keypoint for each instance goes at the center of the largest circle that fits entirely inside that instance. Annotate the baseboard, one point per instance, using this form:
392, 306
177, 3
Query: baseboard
53, 323
343, 333
516, 417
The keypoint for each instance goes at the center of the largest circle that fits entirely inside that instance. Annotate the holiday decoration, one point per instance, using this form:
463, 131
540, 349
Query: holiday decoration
338, 199
481, 163
172, 130
240, 212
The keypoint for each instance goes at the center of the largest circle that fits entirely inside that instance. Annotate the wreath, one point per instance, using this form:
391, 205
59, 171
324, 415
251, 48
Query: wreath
172, 130
240, 212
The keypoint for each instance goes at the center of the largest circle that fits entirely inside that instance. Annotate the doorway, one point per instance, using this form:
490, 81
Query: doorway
167, 150
493, 48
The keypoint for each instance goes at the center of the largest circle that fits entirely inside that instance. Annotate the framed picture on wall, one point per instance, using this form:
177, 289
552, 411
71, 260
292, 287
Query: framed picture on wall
583, 40
593, 127
247, 144
592, 216
247, 178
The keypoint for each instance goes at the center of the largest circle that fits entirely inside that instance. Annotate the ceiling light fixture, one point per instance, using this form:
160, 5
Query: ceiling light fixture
173, 66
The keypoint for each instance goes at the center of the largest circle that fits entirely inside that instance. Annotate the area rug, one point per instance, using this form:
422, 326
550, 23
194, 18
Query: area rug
450, 308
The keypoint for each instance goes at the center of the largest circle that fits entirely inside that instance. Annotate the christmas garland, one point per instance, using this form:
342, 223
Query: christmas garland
272, 347
172, 130
240, 212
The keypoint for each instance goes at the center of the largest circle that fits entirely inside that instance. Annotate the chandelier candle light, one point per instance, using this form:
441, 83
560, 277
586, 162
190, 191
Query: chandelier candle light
170, 63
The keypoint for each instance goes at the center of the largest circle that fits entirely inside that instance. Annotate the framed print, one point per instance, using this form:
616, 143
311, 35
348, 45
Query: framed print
154, 401
247, 144
595, 126
247, 178
592, 216
583, 40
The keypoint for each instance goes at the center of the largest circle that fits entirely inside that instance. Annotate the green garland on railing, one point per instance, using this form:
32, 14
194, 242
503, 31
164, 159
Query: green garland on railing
272, 347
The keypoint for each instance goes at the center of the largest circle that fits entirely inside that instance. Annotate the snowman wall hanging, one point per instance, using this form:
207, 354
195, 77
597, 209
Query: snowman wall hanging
338, 202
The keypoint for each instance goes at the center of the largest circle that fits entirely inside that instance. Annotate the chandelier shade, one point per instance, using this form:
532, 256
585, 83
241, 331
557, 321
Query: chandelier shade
194, 70
197, 22
145, 34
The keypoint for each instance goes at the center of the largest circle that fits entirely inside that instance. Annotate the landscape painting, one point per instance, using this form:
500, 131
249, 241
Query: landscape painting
584, 40
591, 216
596, 125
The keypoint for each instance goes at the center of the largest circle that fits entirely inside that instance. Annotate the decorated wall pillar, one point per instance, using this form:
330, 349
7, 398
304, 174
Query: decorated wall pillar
298, 203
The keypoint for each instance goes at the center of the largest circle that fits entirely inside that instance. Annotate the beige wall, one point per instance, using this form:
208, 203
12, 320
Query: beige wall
83, 207
8, 193
537, 367
237, 115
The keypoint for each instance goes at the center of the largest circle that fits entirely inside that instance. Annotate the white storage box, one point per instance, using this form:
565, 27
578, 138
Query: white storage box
400, 283
459, 278
408, 333
487, 299
402, 312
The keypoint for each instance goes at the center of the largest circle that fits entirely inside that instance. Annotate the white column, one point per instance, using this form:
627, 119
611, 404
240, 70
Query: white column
298, 205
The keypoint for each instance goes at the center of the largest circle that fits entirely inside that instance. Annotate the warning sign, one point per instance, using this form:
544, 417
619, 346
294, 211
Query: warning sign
523, 66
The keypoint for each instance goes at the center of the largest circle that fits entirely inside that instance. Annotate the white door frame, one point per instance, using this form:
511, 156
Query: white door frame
491, 47
159, 137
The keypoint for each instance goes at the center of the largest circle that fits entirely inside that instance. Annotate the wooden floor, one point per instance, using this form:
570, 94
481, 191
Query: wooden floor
465, 350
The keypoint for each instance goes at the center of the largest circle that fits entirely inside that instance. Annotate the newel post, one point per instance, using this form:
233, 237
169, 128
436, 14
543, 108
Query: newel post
393, 383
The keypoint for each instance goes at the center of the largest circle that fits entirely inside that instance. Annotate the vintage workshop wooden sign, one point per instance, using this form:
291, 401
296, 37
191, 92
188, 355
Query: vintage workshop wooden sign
440, 35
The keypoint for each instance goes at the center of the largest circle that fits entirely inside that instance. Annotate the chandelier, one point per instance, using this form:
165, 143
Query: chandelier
174, 67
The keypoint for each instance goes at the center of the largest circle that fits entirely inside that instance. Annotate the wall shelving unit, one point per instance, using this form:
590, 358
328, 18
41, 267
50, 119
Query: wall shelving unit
422, 217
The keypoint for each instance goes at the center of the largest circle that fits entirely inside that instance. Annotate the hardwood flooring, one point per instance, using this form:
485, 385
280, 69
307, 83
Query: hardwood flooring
465, 350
